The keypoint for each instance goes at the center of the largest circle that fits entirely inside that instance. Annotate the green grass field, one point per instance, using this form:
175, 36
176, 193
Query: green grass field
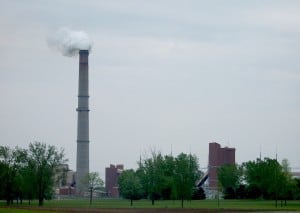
121, 203
15, 210
146, 204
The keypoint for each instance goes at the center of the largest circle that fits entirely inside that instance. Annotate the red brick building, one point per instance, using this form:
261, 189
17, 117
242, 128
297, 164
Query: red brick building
112, 174
217, 157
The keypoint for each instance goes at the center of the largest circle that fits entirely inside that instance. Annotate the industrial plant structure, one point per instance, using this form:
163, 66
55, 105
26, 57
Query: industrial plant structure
82, 164
218, 157
112, 174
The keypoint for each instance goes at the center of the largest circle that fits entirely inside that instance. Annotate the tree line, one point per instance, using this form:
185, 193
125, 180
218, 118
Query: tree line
259, 179
29, 173
162, 177
166, 177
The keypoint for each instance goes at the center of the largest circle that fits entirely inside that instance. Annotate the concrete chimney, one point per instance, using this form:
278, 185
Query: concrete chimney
82, 165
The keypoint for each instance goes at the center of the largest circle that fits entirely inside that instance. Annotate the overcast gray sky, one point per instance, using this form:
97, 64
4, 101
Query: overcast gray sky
163, 74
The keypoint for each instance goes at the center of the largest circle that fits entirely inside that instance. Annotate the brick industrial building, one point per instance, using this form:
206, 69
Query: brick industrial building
217, 157
112, 174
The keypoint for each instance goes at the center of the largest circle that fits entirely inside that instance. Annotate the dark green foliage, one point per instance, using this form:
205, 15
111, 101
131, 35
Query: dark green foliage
151, 173
241, 192
3, 169
168, 167
229, 176
130, 186
185, 176
253, 192
28, 173
168, 177
44, 161
297, 189
199, 194
10, 163
229, 193
264, 179
267, 179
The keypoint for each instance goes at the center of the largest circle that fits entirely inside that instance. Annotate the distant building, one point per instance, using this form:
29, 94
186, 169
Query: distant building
112, 174
66, 181
218, 157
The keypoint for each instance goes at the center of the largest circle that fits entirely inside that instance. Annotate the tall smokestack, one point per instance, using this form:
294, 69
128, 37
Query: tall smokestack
69, 42
82, 166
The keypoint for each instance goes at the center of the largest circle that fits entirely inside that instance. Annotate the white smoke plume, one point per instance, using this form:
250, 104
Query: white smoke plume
69, 42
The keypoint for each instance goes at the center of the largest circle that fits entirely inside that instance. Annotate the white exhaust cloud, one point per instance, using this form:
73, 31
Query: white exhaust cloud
69, 42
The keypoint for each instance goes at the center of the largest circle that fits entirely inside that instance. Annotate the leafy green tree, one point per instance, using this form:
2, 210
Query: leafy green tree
186, 174
3, 168
130, 186
229, 176
254, 176
9, 169
267, 179
20, 156
16, 180
141, 174
168, 177
92, 181
27, 183
297, 189
43, 162
6, 182
167, 181
152, 177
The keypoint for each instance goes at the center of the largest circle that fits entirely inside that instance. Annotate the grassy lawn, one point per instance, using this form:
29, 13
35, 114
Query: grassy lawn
228, 204
121, 203
14, 210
